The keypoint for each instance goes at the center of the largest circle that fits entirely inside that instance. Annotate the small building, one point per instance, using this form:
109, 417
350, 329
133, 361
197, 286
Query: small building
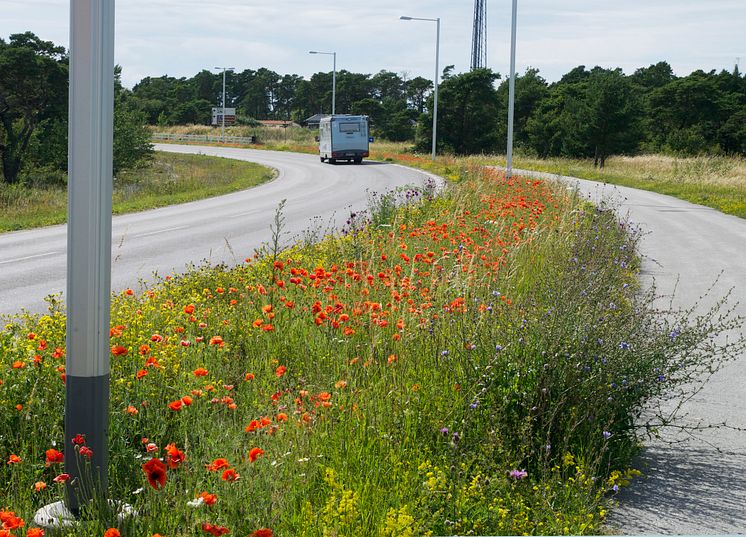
313, 121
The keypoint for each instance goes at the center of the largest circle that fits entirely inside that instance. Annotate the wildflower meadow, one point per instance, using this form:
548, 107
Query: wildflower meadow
482, 361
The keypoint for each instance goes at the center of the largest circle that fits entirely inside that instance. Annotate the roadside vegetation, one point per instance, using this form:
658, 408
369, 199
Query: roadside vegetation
713, 181
165, 180
481, 362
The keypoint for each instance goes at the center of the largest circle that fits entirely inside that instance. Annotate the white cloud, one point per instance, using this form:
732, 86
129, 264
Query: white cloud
181, 37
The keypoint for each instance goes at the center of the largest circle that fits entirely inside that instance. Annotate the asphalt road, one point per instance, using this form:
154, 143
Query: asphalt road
697, 486
222, 229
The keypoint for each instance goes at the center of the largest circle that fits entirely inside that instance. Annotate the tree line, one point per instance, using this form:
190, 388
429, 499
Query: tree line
588, 113
33, 114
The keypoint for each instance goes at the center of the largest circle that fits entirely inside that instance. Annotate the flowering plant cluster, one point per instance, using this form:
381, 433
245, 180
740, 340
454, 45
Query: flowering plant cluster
473, 362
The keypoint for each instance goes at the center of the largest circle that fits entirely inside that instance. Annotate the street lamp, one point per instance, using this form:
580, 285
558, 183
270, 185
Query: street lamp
511, 93
222, 130
437, 51
334, 76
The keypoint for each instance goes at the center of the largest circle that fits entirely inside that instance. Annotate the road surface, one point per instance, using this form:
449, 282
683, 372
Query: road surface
220, 229
699, 486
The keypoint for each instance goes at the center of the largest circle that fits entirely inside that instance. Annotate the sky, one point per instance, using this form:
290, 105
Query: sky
181, 37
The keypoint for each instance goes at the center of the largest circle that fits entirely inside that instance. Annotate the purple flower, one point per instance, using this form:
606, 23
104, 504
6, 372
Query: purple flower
444, 431
455, 438
518, 474
607, 435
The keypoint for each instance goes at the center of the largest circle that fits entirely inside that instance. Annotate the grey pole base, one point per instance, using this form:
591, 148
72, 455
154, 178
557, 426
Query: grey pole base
56, 517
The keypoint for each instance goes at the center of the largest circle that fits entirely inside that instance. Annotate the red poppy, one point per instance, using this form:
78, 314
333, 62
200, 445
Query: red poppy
189, 309
35, 532
112, 532
155, 471
174, 456
14, 459
10, 521
53, 456
119, 350
61, 478
200, 372
86, 452
230, 475
175, 405
264, 532
217, 464
255, 453
217, 340
209, 499
280, 371
214, 530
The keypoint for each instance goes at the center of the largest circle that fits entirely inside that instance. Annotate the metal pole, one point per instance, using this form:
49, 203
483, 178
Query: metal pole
222, 130
511, 92
90, 143
334, 83
435, 98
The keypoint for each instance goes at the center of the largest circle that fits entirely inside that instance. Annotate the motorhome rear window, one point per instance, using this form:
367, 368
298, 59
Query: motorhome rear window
349, 127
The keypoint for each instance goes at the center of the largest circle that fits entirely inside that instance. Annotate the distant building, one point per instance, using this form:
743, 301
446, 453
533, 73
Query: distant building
313, 121
278, 124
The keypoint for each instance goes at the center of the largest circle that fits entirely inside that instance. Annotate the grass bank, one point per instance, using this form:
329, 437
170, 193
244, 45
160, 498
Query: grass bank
169, 179
475, 363
713, 181
718, 182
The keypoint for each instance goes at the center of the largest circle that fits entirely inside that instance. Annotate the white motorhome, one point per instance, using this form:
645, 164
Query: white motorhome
343, 137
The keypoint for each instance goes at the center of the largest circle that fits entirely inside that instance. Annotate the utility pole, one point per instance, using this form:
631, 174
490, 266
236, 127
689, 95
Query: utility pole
334, 76
89, 242
222, 129
511, 92
435, 80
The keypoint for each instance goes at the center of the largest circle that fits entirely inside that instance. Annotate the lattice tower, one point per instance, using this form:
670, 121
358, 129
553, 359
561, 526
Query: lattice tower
479, 35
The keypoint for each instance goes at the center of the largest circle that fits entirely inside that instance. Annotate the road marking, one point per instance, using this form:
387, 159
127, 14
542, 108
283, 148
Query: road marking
239, 215
161, 231
28, 257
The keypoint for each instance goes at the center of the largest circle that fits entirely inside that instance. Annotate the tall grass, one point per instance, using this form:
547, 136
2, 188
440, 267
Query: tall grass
475, 363
294, 135
168, 179
714, 181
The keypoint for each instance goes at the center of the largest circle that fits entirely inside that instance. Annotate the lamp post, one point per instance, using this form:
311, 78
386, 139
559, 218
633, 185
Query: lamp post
437, 52
334, 76
90, 131
511, 93
222, 130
